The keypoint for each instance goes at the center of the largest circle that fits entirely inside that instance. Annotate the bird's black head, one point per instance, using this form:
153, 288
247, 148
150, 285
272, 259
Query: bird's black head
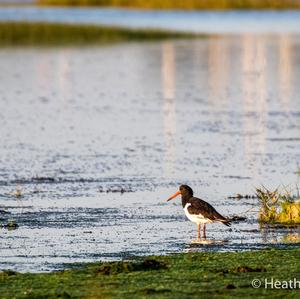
186, 190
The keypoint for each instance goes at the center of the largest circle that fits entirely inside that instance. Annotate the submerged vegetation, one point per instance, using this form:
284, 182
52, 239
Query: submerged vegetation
42, 33
10, 225
278, 206
187, 4
192, 275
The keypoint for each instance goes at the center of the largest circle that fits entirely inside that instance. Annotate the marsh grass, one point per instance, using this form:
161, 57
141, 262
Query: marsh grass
278, 206
42, 33
182, 4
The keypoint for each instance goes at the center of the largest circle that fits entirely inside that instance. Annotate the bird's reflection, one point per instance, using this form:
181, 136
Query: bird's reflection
202, 244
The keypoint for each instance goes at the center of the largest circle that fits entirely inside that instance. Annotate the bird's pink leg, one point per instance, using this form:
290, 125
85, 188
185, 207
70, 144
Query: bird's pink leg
199, 231
204, 231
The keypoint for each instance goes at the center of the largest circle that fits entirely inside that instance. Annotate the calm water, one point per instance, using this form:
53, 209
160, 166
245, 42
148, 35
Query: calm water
199, 21
221, 114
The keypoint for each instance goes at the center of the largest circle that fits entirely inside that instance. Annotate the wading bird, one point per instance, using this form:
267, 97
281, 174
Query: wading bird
198, 210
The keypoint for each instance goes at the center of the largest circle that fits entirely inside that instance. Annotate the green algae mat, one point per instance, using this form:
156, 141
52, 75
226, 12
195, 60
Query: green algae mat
270, 273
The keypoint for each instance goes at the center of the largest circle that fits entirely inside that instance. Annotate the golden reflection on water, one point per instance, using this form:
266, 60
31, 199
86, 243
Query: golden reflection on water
63, 75
254, 96
43, 69
55, 73
168, 69
291, 238
218, 69
285, 70
249, 70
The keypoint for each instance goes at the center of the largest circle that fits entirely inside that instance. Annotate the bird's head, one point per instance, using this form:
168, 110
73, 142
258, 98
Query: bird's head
184, 191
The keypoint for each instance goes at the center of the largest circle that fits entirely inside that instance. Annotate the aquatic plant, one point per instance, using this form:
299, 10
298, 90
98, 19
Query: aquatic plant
278, 206
11, 225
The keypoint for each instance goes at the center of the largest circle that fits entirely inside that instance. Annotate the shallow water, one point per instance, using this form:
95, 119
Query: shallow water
97, 138
234, 21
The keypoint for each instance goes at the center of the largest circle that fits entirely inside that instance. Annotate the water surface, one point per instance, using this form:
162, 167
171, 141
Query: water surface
97, 138
188, 21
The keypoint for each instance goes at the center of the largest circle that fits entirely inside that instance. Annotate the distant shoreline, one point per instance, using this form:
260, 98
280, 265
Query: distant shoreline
184, 5
165, 4
4, 3
44, 33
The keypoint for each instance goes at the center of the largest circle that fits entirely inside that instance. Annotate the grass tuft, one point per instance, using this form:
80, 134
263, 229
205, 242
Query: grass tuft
278, 206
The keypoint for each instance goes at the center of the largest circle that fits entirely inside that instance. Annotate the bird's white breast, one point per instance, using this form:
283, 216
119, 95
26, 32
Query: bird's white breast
197, 218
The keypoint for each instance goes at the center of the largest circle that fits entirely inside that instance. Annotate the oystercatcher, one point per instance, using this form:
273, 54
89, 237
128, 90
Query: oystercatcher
198, 210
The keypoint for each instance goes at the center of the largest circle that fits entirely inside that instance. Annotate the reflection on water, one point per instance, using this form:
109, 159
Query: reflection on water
254, 74
280, 235
168, 70
169, 109
285, 68
63, 75
81, 128
218, 69
292, 238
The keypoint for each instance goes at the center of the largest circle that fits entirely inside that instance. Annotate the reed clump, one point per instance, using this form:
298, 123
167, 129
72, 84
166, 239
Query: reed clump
278, 206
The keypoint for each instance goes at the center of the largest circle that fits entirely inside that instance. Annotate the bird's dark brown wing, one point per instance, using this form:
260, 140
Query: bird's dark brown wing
199, 206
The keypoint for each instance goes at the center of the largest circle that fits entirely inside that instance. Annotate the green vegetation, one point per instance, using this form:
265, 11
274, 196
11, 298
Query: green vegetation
24, 33
10, 225
278, 207
182, 4
189, 275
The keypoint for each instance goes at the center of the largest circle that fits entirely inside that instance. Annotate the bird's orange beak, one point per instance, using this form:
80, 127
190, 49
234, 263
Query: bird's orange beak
173, 196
